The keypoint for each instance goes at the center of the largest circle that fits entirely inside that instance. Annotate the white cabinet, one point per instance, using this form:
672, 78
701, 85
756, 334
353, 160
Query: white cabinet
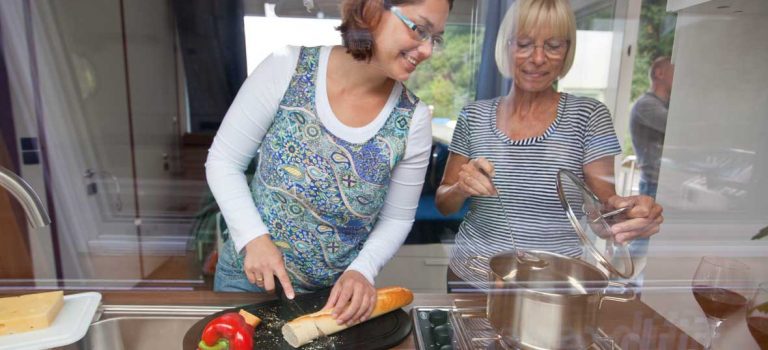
420, 267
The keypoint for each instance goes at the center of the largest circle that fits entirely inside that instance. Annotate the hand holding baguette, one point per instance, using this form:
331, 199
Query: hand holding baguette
303, 330
352, 298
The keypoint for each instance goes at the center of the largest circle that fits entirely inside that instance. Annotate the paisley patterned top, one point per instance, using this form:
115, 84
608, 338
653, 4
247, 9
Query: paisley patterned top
318, 194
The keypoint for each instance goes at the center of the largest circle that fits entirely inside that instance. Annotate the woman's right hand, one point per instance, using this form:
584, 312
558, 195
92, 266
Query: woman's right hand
475, 178
463, 178
263, 260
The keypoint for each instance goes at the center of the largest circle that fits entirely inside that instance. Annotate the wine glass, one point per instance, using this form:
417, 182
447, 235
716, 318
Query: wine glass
722, 287
757, 316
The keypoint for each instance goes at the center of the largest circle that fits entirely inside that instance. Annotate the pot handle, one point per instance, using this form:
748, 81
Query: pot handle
630, 290
473, 258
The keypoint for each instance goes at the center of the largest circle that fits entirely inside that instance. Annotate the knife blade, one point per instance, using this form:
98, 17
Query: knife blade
299, 311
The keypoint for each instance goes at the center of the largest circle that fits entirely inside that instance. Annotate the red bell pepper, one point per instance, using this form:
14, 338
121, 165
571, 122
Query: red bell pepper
230, 331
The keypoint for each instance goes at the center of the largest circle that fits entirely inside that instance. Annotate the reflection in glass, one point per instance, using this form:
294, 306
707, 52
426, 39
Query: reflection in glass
721, 287
757, 317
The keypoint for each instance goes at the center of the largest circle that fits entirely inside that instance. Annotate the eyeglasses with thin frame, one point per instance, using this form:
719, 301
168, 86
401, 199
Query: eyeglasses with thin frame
553, 48
423, 33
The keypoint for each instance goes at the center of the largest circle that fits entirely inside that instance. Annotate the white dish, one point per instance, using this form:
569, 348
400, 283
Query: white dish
70, 325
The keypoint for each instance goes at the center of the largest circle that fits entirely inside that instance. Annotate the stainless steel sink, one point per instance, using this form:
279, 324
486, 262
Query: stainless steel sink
128, 327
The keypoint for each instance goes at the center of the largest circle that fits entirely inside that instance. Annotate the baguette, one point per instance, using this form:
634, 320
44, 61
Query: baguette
303, 330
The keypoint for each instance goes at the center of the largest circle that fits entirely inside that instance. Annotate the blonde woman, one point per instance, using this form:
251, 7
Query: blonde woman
518, 143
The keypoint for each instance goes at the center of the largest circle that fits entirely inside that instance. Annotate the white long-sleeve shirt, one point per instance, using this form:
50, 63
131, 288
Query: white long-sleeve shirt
245, 125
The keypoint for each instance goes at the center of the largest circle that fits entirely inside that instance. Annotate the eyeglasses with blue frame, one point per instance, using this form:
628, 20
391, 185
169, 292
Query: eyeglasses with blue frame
423, 33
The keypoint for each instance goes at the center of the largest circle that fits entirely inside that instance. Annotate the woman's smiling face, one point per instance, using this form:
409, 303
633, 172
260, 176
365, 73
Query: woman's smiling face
398, 48
538, 70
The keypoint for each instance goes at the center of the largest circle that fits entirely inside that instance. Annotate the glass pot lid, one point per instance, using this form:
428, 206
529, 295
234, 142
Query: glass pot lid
588, 217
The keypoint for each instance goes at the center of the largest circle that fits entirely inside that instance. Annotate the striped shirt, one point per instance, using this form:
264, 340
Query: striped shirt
526, 176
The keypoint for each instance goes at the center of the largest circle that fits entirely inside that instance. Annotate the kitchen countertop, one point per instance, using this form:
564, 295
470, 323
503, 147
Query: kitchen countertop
633, 325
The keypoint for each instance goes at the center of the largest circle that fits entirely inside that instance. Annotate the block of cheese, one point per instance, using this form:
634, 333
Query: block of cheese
29, 312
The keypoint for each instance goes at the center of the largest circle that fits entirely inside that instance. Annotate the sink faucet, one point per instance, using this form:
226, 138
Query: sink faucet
36, 213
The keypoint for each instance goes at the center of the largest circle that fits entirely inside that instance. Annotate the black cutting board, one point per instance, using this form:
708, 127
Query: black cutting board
383, 332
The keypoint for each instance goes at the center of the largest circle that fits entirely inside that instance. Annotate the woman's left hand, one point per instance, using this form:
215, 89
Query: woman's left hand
644, 217
352, 298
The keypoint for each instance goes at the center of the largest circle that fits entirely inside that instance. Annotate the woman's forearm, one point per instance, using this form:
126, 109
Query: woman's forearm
598, 176
449, 199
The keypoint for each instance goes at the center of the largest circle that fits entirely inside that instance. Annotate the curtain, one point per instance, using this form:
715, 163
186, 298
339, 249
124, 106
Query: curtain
212, 39
490, 82
62, 114
7, 130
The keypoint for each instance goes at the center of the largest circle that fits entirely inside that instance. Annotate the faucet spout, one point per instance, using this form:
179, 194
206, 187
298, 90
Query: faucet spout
36, 213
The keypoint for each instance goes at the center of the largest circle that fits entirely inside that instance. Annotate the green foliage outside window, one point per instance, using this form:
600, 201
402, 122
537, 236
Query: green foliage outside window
446, 81
655, 37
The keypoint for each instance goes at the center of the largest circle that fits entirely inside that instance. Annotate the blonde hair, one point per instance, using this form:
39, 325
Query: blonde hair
528, 16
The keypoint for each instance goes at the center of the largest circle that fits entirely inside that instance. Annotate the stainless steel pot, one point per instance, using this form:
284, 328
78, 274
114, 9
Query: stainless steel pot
554, 307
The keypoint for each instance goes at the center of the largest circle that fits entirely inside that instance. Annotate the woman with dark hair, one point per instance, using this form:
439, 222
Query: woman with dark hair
343, 148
